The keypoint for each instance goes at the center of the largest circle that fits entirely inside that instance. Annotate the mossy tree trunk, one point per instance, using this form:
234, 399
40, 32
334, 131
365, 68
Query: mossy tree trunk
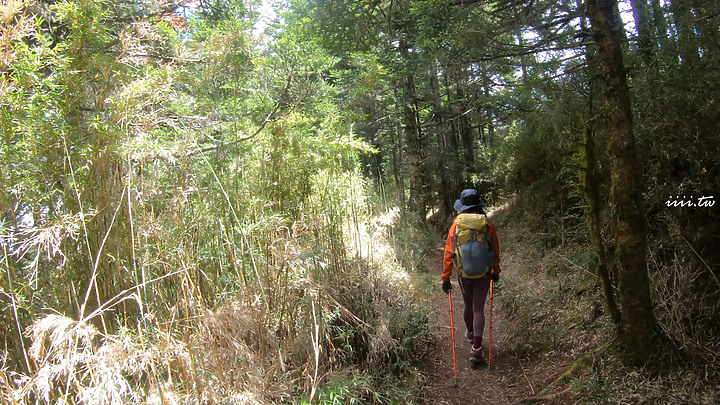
591, 191
639, 324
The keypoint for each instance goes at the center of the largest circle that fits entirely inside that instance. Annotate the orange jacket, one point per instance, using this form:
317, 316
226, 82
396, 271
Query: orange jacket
450, 247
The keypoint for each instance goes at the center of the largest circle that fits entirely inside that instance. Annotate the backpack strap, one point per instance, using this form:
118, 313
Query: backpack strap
456, 253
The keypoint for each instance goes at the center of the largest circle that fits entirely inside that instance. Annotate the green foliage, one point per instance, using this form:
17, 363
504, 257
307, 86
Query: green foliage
361, 389
161, 171
159, 166
218, 12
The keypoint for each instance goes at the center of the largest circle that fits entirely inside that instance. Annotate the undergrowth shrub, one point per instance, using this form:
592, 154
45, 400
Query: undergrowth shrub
682, 254
608, 381
686, 293
554, 306
550, 293
686, 366
321, 311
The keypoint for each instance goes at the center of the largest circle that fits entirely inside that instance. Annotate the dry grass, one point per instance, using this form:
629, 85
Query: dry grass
14, 25
74, 363
686, 292
236, 356
313, 322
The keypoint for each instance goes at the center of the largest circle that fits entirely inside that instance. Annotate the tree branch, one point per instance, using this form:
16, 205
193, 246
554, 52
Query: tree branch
269, 118
168, 59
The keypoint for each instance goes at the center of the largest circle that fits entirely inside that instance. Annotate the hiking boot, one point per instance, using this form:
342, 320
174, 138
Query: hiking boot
469, 336
476, 357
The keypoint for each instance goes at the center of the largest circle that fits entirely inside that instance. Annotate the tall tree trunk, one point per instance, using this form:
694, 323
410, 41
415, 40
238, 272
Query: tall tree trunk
667, 48
685, 29
412, 136
441, 166
639, 324
425, 172
645, 45
590, 182
465, 130
490, 114
397, 157
452, 164
523, 62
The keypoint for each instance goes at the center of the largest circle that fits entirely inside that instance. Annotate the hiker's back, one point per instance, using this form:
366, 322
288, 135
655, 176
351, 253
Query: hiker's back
473, 255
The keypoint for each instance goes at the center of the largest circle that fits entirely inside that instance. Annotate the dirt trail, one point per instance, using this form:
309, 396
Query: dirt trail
506, 381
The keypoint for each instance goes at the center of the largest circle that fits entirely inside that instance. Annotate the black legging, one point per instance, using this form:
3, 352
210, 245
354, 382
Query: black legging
474, 291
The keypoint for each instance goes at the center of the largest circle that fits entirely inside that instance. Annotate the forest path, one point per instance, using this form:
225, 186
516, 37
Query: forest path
507, 380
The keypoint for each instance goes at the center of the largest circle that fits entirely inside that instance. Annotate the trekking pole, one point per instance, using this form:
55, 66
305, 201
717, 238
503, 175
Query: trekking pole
491, 316
452, 335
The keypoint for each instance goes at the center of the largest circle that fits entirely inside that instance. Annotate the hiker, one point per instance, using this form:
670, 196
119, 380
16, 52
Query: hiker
473, 277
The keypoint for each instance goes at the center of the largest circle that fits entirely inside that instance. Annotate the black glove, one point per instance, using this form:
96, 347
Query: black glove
446, 287
495, 277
